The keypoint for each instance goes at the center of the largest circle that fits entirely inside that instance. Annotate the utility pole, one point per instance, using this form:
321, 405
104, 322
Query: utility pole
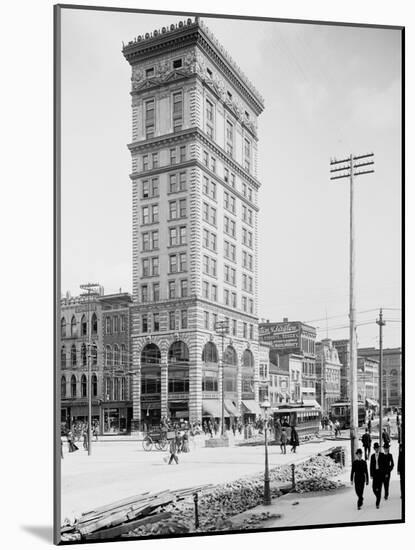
222, 328
381, 324
346, 169
89, 293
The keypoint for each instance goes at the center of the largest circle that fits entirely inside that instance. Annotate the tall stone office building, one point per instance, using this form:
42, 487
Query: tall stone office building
195, 219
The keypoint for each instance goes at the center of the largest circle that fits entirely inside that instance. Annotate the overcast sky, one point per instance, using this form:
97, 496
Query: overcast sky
329, 91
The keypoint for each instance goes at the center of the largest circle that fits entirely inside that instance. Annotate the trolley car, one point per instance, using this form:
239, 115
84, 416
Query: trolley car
305, 419
341, 411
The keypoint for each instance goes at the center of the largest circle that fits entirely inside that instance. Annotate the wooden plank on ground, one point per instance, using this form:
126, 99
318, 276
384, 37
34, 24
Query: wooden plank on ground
126, 527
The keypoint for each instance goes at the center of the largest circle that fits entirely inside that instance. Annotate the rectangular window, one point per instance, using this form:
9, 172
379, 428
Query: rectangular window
229, 138
144, 293
206, 265
144, 323
213, 267
207, 320
205, 158
213, 242
251, 332
177, 63
182, 181
155, 159
146, 214
212, 215
234, 302
145, 189
226, 296
154, 266
183, 288
173, 157
182, 153
173, 236
154, 213
213, 190
146, 267
226, 175
172, 289
209, 119
149, 117
183, 235
146, 241
145, 163
155, 187
205, 185
245, 330
182, 208
244, 303
149, 72
156, 322
214, 293
247, 151
206, 238
205, 212
213, 164
182, 262
173, 183
184, 318
214, 320
234, 327
177, 111
156, 292
172, 320
173, 263
172, 210
155, 240
233, 180
205, 287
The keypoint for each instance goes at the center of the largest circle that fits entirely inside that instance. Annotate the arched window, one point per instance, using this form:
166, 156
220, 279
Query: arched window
123, 355
108, 356
248, 358
63, 386
84, 326
108, 325
83, 355
94, 385
83, 386
230, 357
210, 353
73, 355
73, 326
150, 355
94, 324
116, 388
178, 353
94, 353
116, 355
73, 386
123, 323
63, 327
63, 357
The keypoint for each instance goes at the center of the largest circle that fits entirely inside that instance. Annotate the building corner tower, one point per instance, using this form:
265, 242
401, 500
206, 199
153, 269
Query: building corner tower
195, 220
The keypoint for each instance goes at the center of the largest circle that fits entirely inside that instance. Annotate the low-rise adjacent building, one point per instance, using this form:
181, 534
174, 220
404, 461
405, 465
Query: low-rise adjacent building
343, 350
368, 381
328, 368
392, 374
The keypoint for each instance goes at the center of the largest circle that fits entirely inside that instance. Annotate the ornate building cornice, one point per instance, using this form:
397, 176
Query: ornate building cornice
186, 34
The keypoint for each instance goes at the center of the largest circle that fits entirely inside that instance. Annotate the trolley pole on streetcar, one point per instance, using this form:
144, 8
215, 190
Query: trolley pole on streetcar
90, 292
346, 169
222, 328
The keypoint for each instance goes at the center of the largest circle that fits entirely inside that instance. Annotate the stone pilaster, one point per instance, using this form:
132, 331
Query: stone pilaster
164, 387
136, 388
195, 384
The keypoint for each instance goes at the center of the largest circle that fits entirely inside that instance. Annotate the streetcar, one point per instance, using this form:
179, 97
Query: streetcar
341, 411
305, 419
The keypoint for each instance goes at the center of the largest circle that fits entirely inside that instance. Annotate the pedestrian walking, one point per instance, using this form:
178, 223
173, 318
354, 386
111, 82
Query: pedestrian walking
71, 445
376, 472
366, 442
388, 466
173, 451
95, 432
185, 442
388, 426
277, 430
294, 441
369, 426
283, 441
401, 468
385, 437
85, 439
359, 476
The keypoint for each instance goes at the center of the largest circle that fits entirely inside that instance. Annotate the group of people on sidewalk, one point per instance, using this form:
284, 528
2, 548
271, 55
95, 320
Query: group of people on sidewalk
294, 440
380, 469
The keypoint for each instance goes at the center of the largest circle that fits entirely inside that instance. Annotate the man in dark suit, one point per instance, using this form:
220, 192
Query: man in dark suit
377, 472
366, 441
360, 476
388, 465
401, 467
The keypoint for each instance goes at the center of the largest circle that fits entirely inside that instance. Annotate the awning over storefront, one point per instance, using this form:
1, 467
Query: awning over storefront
211, 407
150, 406
251, 406
311, 403
230, 407
371, 402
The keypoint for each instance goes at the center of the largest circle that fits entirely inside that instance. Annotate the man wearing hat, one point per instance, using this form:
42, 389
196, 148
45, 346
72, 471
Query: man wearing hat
360, 476
377, 472
388, 465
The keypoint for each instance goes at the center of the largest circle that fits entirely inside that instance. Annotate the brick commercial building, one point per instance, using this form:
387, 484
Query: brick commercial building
109, 318
328, 368
195, 218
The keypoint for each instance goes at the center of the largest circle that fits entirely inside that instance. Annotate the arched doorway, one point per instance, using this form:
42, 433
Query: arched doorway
150, 385
178, 381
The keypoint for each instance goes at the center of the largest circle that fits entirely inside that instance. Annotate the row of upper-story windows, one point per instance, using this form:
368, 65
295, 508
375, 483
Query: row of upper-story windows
175, 289
210, 319
150, 122
116, 355
150, 188
150, 322
71, 356
113, 324
82, 387
210, 292
153, 160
